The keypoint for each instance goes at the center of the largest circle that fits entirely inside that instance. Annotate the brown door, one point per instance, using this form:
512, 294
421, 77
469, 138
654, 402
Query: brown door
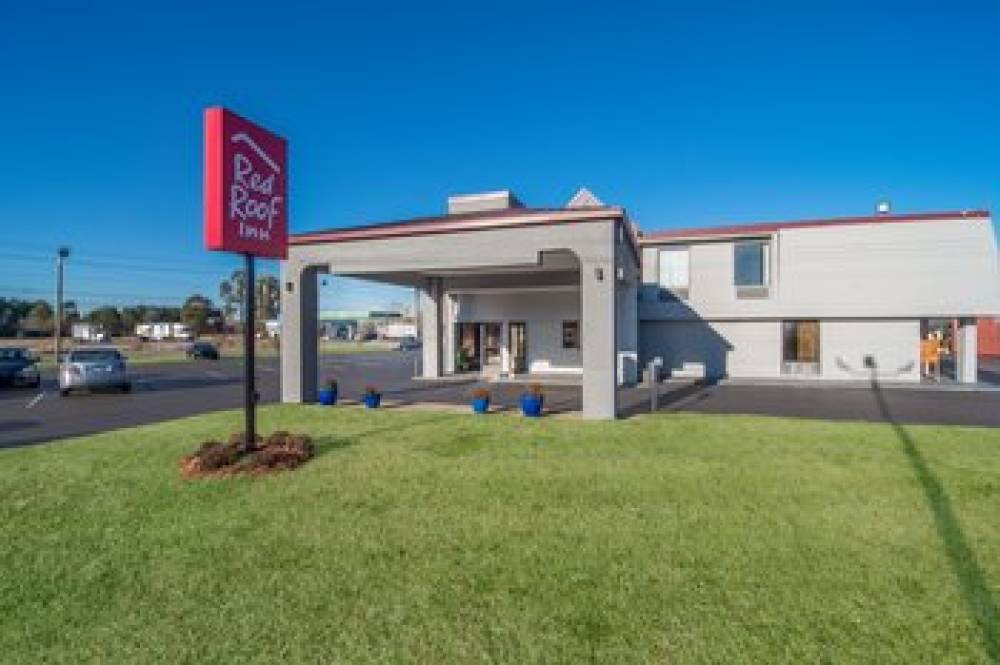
808, 342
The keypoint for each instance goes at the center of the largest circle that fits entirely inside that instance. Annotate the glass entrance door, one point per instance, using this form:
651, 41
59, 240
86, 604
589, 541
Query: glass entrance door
518, 347
491, 344
467, 351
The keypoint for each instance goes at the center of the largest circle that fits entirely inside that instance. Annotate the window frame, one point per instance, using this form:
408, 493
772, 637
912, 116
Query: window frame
679, 290
762, 289
574, 326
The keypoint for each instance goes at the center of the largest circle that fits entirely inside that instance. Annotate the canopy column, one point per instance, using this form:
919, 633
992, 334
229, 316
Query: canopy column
431, 297
299, 332
966, 351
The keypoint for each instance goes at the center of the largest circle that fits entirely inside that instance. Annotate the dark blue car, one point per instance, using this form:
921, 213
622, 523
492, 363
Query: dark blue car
202, 351
18, 368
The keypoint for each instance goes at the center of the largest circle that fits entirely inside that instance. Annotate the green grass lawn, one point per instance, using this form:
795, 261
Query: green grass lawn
426, 537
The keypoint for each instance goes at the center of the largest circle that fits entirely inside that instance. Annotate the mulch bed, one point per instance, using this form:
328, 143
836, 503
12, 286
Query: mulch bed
280, 451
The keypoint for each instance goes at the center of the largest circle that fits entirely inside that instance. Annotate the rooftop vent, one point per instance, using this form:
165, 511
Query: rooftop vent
883, 207
482, 202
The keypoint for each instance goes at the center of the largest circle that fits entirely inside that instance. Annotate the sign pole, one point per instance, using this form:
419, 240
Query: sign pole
249, 316
246, 212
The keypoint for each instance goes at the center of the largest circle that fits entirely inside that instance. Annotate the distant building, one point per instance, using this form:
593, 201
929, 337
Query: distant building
89, 332
355, 323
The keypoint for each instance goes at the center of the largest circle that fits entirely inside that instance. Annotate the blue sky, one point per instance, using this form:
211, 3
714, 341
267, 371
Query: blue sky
686, 114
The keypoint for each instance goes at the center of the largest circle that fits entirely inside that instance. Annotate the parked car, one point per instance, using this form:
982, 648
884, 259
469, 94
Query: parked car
202, 351
93, 367
18, 367
409, 344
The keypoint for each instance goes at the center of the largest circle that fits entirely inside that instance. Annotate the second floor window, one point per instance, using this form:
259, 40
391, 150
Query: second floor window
674, 269
750, 263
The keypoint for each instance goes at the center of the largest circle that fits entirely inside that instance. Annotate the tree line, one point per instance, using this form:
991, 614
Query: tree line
34, 318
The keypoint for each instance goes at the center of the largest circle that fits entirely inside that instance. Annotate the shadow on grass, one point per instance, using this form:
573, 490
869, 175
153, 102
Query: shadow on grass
972, 582
329, 444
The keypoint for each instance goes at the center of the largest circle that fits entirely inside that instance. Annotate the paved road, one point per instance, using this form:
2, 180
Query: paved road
174, 390
168, 390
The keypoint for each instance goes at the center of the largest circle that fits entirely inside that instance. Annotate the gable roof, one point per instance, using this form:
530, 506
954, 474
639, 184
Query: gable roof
766, 228
584, 198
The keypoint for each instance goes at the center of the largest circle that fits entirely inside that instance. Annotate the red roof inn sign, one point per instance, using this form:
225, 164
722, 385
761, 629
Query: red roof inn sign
246, 180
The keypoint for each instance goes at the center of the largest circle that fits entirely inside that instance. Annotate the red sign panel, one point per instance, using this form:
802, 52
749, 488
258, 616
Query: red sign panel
246, 180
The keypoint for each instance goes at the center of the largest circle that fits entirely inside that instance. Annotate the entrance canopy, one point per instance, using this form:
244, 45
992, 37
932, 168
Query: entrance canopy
539, 272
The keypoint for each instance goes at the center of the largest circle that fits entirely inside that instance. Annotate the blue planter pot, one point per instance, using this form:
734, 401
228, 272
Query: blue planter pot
327, 397
531, 405
481, 405
372, 401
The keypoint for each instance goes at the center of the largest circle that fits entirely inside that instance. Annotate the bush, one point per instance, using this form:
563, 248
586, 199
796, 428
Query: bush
239, 439
214, 456
480, 393
535, 389
276, 438
280, 450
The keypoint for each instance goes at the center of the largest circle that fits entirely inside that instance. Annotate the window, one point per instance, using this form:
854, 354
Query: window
675, 269
571, 334
800, 347
750, 263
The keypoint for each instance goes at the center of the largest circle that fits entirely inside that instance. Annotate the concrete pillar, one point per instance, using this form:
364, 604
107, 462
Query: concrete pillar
430, 331
449, 307
598, 337
966, 352
299, 332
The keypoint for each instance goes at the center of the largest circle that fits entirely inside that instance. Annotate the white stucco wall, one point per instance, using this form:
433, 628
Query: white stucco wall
714, 349
895, 345
543, 312
752, 349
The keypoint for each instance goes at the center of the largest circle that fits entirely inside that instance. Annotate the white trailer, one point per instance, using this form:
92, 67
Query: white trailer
89, 332
397, 330
158, 332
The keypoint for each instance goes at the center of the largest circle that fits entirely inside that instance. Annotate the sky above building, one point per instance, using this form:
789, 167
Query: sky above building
687, 115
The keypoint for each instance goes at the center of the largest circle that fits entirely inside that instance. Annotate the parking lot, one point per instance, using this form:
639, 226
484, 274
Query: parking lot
162, 391
171, 390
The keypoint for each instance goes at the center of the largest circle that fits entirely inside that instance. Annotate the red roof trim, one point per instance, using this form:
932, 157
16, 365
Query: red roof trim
476, 221
763, 228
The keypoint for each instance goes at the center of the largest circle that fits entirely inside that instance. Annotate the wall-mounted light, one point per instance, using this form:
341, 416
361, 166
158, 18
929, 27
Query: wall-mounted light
599, 274
290, 287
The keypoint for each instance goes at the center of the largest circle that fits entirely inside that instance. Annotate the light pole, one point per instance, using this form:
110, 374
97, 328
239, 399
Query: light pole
61, 255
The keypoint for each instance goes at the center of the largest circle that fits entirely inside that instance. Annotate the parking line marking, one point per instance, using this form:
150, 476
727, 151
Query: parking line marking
35, 400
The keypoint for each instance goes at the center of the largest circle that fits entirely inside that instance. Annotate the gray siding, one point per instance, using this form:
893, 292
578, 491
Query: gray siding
714, 349
888, 270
